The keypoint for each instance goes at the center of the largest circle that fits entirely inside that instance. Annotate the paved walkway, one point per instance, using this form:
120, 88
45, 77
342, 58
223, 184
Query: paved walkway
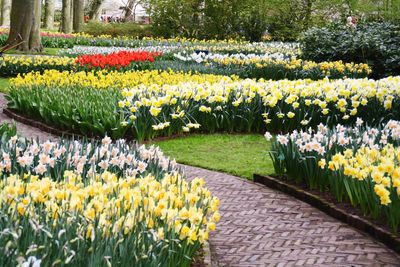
263, 227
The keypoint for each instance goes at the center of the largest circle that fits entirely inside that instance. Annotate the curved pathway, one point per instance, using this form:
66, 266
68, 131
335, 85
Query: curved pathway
263, 227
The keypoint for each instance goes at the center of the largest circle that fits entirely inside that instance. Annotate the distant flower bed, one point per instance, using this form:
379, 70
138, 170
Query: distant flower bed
92, 50
15, 65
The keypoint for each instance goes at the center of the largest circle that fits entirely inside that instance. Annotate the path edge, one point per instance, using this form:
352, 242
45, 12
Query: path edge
378, 233
38, 124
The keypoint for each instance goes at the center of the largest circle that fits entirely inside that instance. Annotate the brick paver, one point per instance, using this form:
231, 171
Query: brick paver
263, 227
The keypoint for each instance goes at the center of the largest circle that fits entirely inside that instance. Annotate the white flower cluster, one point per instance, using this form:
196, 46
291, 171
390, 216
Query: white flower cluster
81, 158
214, 57
92, 50
342, 137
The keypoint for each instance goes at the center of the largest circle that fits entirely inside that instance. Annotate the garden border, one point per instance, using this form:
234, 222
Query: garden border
52, 130
362, 224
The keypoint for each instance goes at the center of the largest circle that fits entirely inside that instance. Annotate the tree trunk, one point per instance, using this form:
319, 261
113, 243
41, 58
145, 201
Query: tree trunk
94, 9
49, 14
78, 15
25, 25
66, 17
35, 40
5, 12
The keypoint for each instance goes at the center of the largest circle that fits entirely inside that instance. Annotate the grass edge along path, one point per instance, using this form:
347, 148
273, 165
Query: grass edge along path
4, 83
237, 154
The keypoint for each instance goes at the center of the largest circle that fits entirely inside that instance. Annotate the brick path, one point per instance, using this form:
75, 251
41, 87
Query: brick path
263, 227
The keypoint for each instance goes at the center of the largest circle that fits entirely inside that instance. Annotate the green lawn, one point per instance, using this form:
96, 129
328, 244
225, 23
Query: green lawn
46, 51
4, 83
240, 155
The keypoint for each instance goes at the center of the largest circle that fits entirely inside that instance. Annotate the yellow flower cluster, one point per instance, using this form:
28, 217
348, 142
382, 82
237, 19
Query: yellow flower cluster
171, 207
344, 96
379, 165
36, 61
325, 67
105, 80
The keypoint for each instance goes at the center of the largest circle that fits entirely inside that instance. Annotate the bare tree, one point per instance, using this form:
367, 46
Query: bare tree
49, 14
25, 25
66, 24
5, 12
78, 20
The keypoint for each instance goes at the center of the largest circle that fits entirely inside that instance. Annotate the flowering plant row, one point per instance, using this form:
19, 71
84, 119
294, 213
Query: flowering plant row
360, 165
105, 50
209, 103
53, 159
148, 217
273, 66
250, 106
73, 101
276, 66
14, 65
122, 60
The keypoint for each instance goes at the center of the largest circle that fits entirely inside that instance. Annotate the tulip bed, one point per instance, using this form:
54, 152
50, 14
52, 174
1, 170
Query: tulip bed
123, 60
103, 203
357, 164
270, 60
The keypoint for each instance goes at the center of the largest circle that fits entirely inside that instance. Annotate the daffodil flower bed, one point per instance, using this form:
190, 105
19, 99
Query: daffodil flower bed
251, 106
14, 65
66, 215
143, 105
360, 165
276, 66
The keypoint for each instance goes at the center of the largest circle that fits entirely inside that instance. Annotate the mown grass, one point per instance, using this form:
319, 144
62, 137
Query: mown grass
240, 155
4, 83
46, 51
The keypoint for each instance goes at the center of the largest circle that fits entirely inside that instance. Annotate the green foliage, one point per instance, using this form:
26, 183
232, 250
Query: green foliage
7, 131
4, 84
127, 29
377, 44
210, 19
85, 111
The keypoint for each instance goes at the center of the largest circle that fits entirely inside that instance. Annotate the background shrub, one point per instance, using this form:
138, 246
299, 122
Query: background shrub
129, 29
374, 43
